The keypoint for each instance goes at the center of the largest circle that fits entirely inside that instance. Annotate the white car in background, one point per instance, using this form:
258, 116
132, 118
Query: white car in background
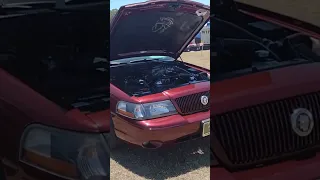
205, 36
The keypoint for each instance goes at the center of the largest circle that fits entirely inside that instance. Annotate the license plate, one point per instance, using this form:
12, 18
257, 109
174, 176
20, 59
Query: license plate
205, 127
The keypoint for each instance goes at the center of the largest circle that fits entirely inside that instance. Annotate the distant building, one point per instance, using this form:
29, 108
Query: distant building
205, 34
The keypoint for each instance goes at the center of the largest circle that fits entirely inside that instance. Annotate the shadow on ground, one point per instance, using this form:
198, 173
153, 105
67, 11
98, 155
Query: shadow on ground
166, 162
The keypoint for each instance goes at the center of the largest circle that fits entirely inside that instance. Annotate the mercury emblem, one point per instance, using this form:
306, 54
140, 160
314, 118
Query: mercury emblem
204, 100
302, 121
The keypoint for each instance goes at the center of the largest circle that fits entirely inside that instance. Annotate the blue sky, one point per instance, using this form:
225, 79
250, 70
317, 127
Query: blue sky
115, 4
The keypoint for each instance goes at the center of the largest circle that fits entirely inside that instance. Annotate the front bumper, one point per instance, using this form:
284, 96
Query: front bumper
289, 170
157, 132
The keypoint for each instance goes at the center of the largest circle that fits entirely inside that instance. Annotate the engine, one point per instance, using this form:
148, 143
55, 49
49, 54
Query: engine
155, 77
249, 45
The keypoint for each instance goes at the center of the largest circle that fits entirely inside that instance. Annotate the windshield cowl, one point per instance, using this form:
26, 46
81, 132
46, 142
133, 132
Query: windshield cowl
139, 59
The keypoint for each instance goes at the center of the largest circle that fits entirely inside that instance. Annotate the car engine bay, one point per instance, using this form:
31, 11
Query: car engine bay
59, 56
154, 76
243, 44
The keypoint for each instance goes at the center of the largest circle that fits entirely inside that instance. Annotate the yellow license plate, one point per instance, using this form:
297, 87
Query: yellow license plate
205, 127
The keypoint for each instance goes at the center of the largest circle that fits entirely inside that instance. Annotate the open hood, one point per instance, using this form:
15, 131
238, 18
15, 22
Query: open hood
158, 27
289, 21
226, 7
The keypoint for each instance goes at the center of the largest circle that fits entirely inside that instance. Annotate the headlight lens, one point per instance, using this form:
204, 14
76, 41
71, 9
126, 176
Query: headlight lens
66, 154
146, 111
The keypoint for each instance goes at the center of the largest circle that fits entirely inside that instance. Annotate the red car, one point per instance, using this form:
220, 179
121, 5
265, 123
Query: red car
156, 99
54, 91
265, 95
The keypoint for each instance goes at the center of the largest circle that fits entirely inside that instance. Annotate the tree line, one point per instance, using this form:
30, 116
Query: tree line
112, 13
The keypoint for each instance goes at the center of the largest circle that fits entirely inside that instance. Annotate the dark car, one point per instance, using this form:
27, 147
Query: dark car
264, 95
155, 99
54, 90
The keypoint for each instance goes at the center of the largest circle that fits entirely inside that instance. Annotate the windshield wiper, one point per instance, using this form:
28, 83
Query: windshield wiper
5, 9
29, 4
117, 63
134, 61
141, 60
32, 4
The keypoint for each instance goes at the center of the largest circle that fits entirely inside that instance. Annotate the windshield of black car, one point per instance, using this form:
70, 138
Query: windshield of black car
153, 30
142, 58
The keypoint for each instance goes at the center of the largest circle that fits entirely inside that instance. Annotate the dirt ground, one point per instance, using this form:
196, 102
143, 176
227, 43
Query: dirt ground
186, 161
199, 58
306, 10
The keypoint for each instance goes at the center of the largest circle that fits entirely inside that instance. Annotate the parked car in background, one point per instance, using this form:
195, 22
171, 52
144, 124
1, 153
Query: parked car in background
155, 98
54, 91
265, 118
193, 47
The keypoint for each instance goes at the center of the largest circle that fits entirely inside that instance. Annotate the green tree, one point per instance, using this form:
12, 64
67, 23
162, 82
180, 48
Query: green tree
112, 13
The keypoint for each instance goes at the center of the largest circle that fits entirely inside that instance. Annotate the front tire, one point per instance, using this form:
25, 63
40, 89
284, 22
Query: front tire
112, 139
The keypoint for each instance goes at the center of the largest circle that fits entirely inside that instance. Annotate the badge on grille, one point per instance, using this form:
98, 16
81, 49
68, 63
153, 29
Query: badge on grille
302, 121
204, 100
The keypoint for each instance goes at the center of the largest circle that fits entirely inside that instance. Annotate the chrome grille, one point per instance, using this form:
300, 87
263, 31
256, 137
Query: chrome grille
264, 131
191, 103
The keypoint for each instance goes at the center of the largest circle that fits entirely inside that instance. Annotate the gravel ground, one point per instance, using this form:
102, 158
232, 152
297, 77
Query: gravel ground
185, 161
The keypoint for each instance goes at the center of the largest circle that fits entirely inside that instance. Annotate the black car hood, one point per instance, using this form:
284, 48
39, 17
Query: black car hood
158, 27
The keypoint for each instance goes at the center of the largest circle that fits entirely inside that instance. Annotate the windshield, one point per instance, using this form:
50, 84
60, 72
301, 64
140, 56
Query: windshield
132, 59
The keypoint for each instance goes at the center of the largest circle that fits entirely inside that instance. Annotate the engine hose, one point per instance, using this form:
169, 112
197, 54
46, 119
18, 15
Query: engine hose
231, 41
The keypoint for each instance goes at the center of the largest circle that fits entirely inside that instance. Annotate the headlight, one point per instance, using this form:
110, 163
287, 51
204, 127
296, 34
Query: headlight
69, 155
146, 111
